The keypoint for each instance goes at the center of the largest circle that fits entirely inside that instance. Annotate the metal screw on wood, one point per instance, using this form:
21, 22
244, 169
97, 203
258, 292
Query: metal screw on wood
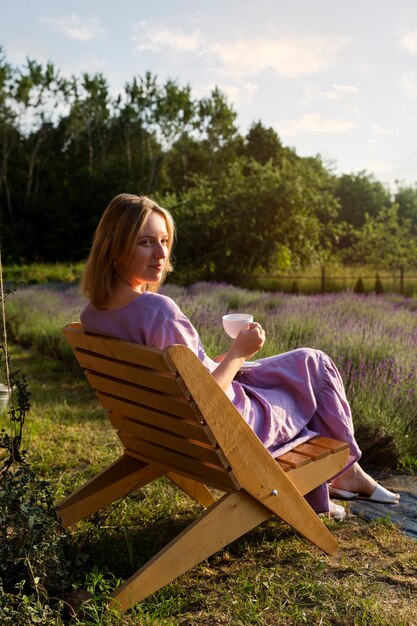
274, 492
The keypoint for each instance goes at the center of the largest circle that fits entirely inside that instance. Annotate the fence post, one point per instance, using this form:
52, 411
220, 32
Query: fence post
323, 279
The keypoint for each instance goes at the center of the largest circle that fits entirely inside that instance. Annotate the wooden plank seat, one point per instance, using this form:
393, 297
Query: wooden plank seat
173, 420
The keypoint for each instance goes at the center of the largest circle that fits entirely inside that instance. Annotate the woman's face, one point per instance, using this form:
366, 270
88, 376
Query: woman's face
150, 253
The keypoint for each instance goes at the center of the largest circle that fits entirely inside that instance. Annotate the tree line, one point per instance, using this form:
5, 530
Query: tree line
243, 203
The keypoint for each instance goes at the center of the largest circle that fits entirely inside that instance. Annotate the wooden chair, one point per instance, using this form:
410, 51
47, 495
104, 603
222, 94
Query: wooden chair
174, 420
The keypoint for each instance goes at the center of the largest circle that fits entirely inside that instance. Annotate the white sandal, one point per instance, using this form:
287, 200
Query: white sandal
380, 495
337, 512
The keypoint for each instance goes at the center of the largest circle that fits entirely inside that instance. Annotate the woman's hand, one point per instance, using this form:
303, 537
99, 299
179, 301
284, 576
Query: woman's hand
249, 342
246, 344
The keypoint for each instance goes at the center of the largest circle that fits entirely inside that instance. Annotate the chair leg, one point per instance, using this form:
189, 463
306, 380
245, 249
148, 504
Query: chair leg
194, 489
229, 518
114, 482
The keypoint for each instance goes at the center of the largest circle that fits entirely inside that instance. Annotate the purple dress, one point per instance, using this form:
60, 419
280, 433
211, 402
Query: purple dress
287, 400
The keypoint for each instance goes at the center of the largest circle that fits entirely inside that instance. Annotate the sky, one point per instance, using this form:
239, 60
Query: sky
335, 78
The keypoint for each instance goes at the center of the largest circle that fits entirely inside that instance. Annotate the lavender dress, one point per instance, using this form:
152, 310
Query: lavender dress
289, 399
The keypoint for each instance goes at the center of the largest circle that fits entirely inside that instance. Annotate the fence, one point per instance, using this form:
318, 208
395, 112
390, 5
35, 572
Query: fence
325, 281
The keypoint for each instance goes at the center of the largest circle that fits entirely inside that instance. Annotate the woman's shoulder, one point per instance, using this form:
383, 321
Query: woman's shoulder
148, 304
159, 302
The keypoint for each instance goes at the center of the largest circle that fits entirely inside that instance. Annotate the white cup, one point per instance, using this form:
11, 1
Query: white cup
233, 323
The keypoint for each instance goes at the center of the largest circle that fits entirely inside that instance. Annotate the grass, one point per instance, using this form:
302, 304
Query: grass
270, 577
43, 273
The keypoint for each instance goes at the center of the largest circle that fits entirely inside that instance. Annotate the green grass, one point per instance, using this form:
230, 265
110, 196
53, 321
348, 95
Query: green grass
269, 577
43, 273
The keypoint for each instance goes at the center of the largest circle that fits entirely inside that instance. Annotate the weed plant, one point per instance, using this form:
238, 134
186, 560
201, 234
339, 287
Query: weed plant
33, 564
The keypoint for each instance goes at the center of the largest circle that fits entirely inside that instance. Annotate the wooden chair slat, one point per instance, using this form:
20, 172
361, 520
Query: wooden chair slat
294, 459
156, 400
160, 381
200, 452
153, 417
125, 350
284, 466
329, 444
313, 452
214, 476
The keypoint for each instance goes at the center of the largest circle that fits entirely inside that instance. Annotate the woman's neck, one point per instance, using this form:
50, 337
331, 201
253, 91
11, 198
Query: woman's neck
123, 293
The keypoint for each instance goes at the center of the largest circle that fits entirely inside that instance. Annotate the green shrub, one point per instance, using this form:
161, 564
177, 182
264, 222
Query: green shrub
34, 561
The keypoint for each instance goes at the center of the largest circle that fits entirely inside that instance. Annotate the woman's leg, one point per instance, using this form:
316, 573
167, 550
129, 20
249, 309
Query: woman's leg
316, 400
357, 481
353, 478
333, 419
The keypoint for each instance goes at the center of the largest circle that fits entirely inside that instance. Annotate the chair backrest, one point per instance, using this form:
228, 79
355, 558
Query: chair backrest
151, 408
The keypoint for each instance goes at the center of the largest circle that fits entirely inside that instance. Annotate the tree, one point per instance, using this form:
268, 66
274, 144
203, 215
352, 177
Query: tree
252, 217
217, 120
406, 200
217, 131
158, 116
358, 195
175, 118
88, 119
385, 241
243, 203
9, 135
32, 105
263, 144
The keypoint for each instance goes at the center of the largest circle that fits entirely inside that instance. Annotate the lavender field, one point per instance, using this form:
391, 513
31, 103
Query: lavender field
371, 338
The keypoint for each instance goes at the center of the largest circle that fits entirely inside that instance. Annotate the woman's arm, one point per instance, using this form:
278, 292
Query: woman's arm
247, 343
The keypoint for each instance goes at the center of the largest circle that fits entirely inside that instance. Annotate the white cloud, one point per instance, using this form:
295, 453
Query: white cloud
250, 89
336, 93
156, 39
345, 89
314, 123
382, 167
378, 130
408, 83
232, 92
74, 26
400, 170
313, 94
236, 94
409, 42
287, 56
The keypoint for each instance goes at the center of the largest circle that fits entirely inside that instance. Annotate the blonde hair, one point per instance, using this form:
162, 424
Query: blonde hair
114, 241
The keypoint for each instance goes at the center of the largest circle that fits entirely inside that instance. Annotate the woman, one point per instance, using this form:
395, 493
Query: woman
288, 399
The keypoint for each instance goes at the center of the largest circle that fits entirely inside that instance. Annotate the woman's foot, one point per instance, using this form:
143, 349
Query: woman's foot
379, 495
336, 512
355, 484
